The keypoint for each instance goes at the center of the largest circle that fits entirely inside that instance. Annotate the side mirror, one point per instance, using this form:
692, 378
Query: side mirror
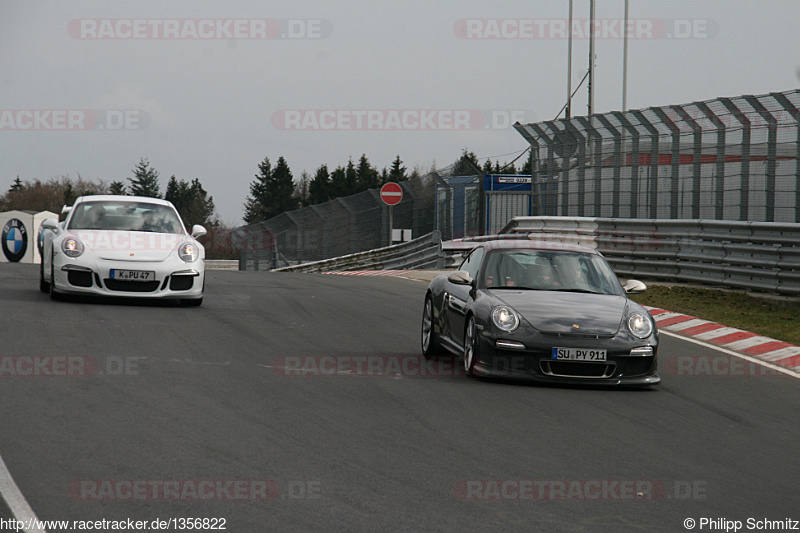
66, 209
51, 224
634, 286
198, 231
460, 277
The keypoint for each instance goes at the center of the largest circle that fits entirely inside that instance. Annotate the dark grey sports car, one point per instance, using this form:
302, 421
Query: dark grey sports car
542, 311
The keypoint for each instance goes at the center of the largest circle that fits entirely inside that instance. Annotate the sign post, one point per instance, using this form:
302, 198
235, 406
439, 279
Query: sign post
391, 194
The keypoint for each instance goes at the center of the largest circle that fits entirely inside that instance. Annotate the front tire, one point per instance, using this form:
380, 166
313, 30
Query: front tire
43, 285
53, 294
430, 341
197, 302
470, 347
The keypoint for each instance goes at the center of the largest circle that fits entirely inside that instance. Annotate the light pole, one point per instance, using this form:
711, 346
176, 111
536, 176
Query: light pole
625, 61
591, 57
569, 65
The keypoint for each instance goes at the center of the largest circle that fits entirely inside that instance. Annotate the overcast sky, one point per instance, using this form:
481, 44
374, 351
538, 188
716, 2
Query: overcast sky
207, 89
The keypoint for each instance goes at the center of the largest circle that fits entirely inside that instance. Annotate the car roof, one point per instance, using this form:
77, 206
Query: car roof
121, 198
531, 241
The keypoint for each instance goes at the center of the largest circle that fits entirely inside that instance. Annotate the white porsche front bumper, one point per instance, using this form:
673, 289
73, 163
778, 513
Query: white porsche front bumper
174, 279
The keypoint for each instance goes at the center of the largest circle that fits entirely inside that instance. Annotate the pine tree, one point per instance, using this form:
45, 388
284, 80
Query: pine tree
487, 167
350, 179
282, 188
527, 168
192, 202
338, 185
319, 190
366, 176
116, 187
271, 193
301, 189
398, 171
255, 208
145, 180
466, 165
17, 185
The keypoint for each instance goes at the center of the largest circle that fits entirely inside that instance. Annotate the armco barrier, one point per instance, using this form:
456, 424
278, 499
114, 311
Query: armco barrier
421, 253
760, 256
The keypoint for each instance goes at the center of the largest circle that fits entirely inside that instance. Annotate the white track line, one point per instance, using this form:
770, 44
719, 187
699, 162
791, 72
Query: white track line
761, 362
16, 501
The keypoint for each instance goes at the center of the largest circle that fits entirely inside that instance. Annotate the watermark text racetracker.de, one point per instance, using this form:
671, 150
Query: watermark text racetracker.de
228, 490
604, 28
73, 119
397, 366
718, 366
199, 28
66, 366
543, 490
398, 119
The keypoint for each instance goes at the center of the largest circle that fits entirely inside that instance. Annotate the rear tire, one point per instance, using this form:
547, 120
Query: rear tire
430, 341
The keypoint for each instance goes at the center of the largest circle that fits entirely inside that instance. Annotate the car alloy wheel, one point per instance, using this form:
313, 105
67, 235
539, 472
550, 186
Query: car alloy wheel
470, 343
430, 344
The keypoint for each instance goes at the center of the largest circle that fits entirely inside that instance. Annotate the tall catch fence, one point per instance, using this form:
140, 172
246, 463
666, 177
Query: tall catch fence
722, 159
337, 228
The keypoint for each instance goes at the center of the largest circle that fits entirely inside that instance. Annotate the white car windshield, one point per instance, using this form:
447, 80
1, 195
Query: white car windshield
125, 216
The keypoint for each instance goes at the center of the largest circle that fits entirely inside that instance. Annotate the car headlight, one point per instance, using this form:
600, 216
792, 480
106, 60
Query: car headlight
505, 318
72, 247
640, 325
188, 252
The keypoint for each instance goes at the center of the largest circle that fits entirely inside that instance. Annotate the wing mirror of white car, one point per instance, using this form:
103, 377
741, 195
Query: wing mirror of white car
66, 209
460, 277
198, 231
51, 224
634, 286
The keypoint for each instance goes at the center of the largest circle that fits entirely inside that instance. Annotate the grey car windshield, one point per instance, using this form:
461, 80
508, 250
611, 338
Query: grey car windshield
125, 216
549, 270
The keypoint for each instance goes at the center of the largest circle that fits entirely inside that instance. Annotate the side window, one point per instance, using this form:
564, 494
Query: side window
473, 262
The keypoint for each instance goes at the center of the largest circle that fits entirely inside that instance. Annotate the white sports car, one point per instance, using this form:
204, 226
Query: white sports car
129, 246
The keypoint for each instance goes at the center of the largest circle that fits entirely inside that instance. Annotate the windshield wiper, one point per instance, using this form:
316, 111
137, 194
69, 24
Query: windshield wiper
517, 288
585, 291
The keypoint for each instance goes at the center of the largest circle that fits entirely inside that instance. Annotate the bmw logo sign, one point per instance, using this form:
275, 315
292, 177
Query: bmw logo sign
14, 240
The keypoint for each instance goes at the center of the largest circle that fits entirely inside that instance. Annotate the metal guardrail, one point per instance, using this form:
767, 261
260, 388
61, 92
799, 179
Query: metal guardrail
421, 253
760, 256
222, 264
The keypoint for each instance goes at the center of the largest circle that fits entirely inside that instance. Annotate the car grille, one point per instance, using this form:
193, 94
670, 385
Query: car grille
635, 366
130, 286
181, 283
578, 370
79, 278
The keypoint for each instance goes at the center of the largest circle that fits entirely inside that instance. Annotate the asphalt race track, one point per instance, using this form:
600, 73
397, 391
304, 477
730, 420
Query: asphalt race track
257, 389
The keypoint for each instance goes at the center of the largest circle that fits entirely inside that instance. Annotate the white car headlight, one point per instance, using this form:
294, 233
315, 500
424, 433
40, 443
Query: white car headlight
505, 318
640, 325
72, 247
188, 252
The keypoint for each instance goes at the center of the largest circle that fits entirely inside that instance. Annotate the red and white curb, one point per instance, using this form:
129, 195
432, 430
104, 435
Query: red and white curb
778, 353
393, 273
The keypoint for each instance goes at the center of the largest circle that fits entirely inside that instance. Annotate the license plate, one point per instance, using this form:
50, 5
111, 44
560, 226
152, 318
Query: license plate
578, 354
133, 275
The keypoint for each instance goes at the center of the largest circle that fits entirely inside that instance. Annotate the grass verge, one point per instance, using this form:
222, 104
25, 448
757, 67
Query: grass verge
779, 320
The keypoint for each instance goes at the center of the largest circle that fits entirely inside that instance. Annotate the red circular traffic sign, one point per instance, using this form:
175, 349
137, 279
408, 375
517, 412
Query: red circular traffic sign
391, 193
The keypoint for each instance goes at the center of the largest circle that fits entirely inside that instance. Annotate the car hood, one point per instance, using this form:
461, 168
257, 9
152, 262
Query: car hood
556, 312
129, 245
